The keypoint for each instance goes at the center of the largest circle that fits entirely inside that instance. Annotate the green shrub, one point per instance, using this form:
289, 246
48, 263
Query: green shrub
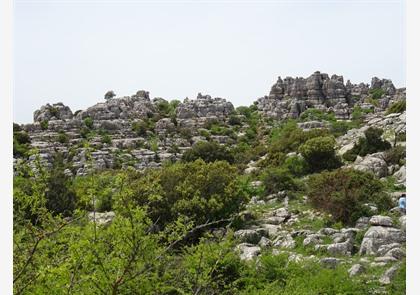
21, 141
60, 195
396, 155
140, 128
371, 143
400, 137
288, 137
316, 115
209, 152
44, 125
339, 128
88, 122
277, 179
296, 165
105, 138
198, 190
376, 93
343, 193
319, 153
234, 120
62, 137
396, 107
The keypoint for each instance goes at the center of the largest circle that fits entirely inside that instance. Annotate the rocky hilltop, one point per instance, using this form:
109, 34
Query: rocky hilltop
290, 97
142, 132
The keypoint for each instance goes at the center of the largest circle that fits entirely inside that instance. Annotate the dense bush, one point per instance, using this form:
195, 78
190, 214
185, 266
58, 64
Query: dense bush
396, 155
88, 122
296, 165
397, 107
62, 137
202, 191
44, 125
234, 120
371, 143
60, 195
109, 94
319, 153
317, 115
376, 93
343, 193
288, 137
21, 141
208, 152
277, 179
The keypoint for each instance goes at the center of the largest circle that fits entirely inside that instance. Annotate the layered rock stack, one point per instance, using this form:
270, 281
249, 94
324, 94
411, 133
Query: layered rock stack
290, 97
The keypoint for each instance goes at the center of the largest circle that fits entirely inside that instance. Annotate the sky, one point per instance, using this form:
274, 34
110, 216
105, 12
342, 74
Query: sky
74, 51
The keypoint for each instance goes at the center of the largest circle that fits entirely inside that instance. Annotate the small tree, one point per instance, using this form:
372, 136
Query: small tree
277, 179
110, 94
343, 193
319, 153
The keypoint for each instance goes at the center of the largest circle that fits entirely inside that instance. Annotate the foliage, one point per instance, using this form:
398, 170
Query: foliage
277, 179
88, 122
288, 137
395, 155
343, 193
60, 196
317, 115
21, 141
201, 191
110, 94
376, 93
234, 120
296, 165
208, 152
62, 137
44, 124
371, 143
105, 138
396, 107
319, 153
339, 128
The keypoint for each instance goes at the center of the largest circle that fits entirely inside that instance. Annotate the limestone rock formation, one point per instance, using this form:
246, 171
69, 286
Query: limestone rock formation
57, 111
290, 97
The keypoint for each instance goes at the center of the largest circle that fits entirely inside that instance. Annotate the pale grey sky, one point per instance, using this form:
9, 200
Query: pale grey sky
74, 51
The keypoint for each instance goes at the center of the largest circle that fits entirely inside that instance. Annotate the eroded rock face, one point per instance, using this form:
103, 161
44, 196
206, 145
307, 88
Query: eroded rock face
374, 163
204, 106
248, 251
103, 218
356, 269
377, 236
137, 106
289, 97
57, 111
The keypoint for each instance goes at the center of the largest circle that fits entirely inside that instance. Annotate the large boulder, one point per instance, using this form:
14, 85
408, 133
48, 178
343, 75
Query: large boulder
381, 220
204, 106
248, 235
57, 111
137, 106
377, 236
248, 251
374, 163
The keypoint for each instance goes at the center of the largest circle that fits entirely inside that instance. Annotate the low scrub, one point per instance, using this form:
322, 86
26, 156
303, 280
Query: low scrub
343, 193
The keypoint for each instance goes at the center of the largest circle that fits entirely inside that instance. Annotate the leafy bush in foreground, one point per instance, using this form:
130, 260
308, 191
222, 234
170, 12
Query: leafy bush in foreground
201, 191
343, 193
